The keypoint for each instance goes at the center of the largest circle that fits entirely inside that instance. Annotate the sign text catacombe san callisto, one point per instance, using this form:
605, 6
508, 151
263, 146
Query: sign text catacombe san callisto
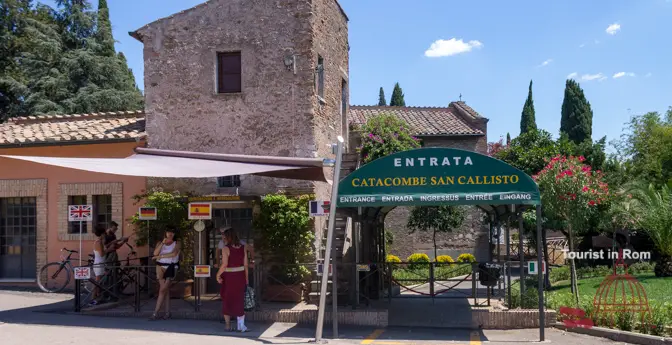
435, 176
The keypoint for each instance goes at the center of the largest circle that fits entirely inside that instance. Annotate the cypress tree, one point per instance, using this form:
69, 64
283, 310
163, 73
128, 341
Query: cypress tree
527, 119
381, 98
397, 99
104, 30
577, 116
508, 139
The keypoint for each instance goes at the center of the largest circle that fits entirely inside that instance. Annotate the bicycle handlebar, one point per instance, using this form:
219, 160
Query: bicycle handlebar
68, 250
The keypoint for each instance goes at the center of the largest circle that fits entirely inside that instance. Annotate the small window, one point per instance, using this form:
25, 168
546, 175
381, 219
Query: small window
228, 181
102, 210
319, 80
73, 227
228, 72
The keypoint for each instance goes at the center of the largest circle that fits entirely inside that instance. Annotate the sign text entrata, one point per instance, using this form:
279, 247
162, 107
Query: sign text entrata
437, 176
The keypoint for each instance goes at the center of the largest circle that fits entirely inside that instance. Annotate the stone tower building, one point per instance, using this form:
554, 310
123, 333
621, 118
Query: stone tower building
255, 77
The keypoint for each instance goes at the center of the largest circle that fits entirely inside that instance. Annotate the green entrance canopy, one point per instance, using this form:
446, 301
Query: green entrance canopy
437, 176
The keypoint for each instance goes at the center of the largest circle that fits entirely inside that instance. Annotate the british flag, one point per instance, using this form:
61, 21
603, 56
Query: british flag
77, 213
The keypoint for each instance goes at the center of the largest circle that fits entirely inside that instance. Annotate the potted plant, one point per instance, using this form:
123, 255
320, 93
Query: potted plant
284, 238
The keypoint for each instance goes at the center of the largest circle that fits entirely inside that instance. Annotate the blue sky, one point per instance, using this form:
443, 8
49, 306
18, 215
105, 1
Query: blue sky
497, 47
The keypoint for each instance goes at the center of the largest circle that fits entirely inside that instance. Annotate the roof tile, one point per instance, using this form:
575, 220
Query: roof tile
423, 120
72, 128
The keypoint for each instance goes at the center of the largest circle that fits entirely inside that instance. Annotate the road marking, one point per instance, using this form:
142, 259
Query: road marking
475, 338
375, 342
371, 337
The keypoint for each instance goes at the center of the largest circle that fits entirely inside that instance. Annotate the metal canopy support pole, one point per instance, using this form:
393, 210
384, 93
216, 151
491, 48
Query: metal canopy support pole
507, 262
80, 243
330, 234
492, 233
540, 276
521, 254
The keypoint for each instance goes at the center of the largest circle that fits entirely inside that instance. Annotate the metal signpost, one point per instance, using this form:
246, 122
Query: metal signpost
148, 213
327, 253
200, 211
81, 214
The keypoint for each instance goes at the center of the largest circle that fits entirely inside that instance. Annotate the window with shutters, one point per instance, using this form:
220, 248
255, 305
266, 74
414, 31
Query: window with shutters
229, 72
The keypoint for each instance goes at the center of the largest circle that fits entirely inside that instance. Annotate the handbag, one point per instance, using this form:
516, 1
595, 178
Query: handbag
250, 301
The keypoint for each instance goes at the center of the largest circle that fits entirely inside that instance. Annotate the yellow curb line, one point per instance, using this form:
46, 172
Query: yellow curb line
371, 337
475, 338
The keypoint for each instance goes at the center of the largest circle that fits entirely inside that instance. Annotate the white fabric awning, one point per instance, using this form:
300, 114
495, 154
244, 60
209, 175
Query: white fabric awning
179, 164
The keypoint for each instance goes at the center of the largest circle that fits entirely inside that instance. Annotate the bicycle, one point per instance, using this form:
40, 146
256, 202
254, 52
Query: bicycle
64, 271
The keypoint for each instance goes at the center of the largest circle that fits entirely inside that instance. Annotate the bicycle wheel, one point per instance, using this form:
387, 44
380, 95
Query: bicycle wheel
54, 277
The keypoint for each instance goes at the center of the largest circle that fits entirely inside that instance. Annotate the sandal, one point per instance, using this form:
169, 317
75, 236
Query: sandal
154, 317
166, 316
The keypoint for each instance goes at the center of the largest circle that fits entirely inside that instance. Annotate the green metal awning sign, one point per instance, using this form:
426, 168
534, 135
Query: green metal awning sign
437, 176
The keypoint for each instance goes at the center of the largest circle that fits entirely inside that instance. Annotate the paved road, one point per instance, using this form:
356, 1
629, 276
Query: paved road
36, 318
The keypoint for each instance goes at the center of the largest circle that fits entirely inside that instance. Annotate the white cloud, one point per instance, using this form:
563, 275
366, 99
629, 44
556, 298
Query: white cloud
623, 74
613, 29
589, 77
545, 63
572, 75
451, 47
582, 45
649, 74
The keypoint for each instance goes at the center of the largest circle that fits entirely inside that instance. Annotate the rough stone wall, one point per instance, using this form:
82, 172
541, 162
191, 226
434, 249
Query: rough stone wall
277, 113
330, 41
273, 115
472, 237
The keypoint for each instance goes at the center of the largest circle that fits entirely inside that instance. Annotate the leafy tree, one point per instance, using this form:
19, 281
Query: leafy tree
61, 60
436, 219
646, 147
495, 147
530, 151
593, 152
397, 99
527, 119
381, 98
571, 193
13, 14
384, 135
654, 215
577, 115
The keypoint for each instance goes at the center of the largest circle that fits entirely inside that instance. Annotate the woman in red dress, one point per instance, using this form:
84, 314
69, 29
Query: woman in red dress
232, 274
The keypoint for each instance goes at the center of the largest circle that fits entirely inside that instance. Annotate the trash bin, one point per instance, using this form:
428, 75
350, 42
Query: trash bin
488, 274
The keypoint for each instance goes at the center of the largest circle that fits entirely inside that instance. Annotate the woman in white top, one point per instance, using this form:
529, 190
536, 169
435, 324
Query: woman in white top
167, 256
98, 260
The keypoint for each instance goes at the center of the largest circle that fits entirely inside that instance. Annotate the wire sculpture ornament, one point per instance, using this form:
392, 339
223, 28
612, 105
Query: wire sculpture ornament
620, 296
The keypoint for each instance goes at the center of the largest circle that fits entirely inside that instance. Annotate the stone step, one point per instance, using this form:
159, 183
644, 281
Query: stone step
343, 298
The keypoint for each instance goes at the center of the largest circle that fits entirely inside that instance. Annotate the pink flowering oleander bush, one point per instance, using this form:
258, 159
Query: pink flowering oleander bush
571, 190
384, 135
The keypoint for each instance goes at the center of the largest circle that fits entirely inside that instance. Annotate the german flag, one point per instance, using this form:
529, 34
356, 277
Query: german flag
199, 210
147, 212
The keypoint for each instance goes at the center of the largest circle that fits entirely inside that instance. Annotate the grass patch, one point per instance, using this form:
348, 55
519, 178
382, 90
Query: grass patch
657, 289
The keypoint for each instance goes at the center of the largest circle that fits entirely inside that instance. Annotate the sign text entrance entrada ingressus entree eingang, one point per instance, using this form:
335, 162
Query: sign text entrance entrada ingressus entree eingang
439, 176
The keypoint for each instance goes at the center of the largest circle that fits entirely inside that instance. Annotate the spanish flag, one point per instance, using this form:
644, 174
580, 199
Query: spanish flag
199, 210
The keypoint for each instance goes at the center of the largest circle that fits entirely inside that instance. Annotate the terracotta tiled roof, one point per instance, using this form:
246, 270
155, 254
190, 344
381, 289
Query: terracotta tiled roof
423, 120
54, 129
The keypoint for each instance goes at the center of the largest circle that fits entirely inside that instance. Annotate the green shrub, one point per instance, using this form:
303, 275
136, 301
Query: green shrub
444, 259
641, 267
659, 317
418, 258
392, 258
466, 257
559, 274
384, 135
625, 321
